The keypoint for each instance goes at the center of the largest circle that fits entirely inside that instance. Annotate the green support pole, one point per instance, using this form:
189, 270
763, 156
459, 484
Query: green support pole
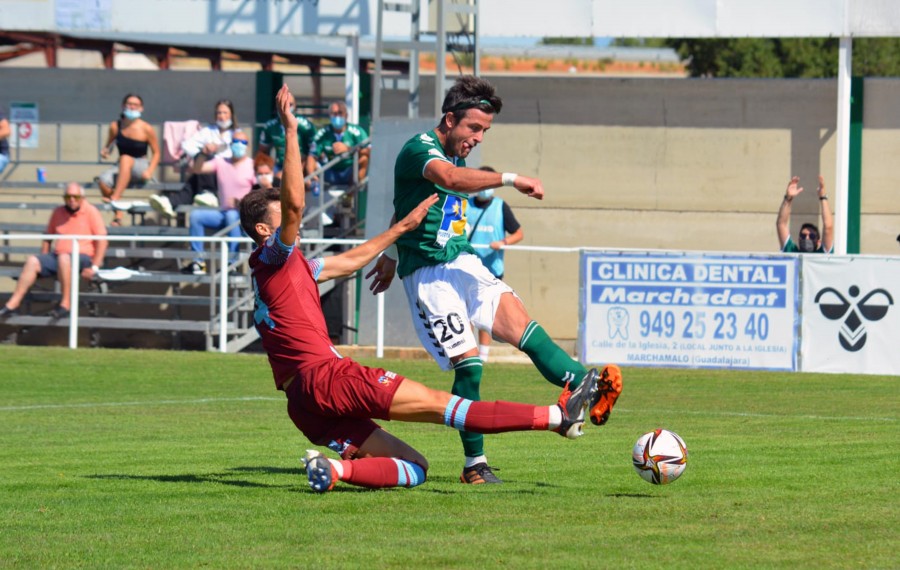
854, 174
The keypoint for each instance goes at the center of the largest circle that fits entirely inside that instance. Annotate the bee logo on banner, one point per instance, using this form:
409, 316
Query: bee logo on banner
849, 322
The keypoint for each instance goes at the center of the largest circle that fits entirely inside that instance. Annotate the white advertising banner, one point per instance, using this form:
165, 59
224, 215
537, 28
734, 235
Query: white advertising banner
23, 118
851, 321
689, 311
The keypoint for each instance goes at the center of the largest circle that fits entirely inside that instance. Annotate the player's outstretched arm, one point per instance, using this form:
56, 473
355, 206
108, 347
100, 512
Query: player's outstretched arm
355, 259
293, 192
471, 180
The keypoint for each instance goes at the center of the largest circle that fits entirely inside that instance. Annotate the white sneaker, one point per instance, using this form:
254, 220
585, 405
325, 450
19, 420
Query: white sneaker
207, 199
162, 205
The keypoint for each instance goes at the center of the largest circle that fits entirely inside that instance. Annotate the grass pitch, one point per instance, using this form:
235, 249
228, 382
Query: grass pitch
143, 459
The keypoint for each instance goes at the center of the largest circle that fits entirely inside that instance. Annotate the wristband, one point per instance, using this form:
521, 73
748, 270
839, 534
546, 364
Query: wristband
788, 199
823, 197
508, 178
95, 268
391, 252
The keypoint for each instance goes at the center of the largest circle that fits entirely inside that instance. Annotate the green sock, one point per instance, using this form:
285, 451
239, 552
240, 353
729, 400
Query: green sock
466, 385
551, 361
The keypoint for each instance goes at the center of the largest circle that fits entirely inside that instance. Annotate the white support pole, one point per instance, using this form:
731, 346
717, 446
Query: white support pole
379, 46
351, 79
440, 69
223, 297
842, 132
74, 294
379, 325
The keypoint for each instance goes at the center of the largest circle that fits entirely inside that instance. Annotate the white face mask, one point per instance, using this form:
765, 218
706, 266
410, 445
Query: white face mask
265, 179
224, 124
486, 194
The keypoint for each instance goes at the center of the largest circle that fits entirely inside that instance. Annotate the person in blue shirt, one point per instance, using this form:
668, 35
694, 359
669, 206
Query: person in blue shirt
493, 226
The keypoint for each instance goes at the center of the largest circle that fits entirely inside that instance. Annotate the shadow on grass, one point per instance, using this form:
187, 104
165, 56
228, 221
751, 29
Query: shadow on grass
632, 496
225, 478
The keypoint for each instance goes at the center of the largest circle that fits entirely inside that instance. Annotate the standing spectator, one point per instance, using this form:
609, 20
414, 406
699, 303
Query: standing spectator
447, 286
4, 140
272, 136
131, 135
235, 178
333, 139
493, 226
811, 241
76, 217
213, 140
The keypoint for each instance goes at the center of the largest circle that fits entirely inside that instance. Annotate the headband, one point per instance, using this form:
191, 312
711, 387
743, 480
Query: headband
469, 104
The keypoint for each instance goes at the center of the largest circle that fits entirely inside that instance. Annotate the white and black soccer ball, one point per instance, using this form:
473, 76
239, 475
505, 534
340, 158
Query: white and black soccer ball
659, 456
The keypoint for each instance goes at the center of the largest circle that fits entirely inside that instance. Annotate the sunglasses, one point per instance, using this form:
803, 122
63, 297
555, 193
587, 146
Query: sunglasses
239, 141
809, 235
72, 197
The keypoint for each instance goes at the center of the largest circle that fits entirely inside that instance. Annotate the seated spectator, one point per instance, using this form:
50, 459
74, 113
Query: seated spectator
811, 241
4, 142
213, 140
76, 217
272, 136
264, 170
334, 139
131, 135
235, 178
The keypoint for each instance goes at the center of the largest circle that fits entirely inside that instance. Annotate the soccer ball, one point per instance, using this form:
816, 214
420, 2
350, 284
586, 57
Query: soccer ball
659, 456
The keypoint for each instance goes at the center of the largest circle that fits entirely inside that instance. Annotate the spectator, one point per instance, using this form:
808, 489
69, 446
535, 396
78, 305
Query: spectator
493, 226
131, 135
234, 176
272, 136
811, 241
213, 140
76, 217
264, 170
4, 140
331, 140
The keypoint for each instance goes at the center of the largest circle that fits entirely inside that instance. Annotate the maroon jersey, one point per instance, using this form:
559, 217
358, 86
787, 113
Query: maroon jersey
288, 313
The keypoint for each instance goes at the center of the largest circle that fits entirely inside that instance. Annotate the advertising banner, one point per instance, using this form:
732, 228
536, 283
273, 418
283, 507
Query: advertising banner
851, 321
689, 311
23, 118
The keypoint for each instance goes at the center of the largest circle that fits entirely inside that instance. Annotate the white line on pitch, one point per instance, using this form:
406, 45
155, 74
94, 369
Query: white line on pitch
757, 415
152, 403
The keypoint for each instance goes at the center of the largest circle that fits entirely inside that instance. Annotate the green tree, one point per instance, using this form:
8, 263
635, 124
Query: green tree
785, 57
551, 41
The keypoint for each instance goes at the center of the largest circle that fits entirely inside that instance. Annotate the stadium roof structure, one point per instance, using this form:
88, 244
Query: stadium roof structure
314, 52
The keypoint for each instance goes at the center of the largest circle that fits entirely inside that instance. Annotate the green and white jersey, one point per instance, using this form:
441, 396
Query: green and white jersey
323, 143
442, 235
272, 135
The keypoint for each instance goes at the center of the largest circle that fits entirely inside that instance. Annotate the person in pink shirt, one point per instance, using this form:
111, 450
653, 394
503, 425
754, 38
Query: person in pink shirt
235, 177
76, 217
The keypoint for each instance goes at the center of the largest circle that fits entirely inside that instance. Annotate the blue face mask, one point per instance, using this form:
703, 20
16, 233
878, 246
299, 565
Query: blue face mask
238, 149
486, 194
131, 114
338, 122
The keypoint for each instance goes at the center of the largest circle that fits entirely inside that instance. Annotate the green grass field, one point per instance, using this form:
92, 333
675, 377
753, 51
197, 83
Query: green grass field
144, 459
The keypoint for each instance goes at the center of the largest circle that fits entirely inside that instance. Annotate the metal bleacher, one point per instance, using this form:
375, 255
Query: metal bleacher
156, 298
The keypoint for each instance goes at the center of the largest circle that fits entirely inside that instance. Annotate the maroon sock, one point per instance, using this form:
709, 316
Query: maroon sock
378, 472
498, 417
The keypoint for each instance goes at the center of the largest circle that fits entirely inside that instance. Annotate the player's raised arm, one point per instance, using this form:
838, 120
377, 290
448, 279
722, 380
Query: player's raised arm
471, 180
293, 193
355, 259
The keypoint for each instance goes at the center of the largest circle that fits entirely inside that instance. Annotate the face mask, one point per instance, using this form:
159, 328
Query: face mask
338, 122
486, 194
131, 114
238, 150
224, 124
265, 179
806, 245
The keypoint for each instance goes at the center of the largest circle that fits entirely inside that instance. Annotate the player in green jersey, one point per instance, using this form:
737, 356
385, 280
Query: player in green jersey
446, 284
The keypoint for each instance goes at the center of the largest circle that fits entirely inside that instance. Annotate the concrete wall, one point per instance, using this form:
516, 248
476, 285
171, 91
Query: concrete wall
626, 163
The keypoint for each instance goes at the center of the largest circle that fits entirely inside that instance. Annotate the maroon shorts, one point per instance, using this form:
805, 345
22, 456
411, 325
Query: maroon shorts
334, 403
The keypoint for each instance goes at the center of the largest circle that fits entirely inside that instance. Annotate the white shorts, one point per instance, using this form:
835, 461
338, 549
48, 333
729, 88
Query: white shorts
444, 299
